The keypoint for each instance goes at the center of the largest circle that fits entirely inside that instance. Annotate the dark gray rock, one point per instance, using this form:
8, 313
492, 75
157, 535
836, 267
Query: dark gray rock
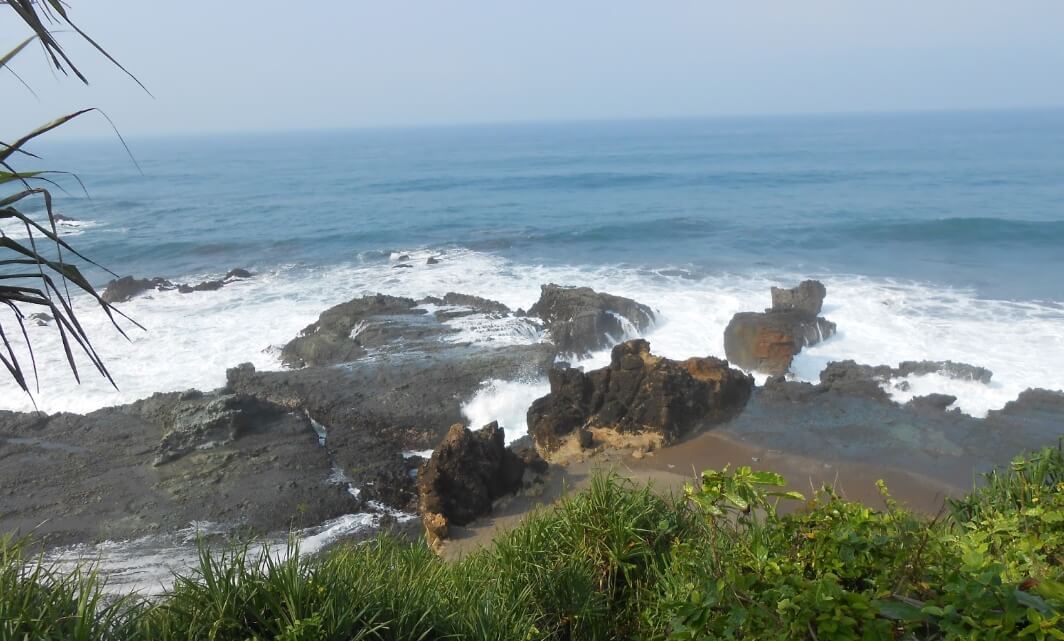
807, 297
467, 472
951, 369
581, 320
932, 402
127, 287
81, 478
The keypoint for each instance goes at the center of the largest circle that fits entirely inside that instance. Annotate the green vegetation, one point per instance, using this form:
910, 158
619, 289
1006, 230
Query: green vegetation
622, 562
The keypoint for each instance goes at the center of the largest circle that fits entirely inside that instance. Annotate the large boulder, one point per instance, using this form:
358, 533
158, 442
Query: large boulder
467, 472
807, 297
349, 330
581, 320
768, 342
639, 399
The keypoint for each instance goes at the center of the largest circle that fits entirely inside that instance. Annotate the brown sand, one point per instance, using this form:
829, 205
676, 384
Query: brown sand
669, 468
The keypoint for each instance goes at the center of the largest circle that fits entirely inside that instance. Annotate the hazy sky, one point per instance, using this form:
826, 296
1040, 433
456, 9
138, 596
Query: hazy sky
268, 65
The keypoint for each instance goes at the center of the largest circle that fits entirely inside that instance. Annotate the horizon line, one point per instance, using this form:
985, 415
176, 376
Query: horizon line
562, 121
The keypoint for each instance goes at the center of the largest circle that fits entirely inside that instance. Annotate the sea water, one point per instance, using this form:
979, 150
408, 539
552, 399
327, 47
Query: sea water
939, 236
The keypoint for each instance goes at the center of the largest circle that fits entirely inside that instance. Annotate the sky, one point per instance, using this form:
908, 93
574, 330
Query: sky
267, 65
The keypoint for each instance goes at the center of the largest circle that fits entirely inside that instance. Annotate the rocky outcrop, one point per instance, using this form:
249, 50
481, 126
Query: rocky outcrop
768, 341
638, 399
807, 297
869, 380
581, 320
467, 472
158, 464
127, 287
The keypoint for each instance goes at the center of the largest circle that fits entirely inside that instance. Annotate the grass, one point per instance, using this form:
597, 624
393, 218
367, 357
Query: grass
619, 561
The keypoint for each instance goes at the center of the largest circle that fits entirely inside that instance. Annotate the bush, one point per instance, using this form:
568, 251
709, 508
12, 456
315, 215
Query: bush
619, 561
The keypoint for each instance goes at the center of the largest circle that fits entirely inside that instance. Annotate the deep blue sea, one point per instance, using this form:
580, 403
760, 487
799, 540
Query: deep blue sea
938, 235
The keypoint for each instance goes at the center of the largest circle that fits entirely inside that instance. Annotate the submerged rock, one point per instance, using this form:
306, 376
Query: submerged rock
467, 472
127, 287
639, 397
581, 320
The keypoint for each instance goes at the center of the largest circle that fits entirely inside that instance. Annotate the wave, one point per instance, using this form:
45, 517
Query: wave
955, 231
193, 338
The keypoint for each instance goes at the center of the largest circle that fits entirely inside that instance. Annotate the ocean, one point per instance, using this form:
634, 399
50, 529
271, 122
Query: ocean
938, 236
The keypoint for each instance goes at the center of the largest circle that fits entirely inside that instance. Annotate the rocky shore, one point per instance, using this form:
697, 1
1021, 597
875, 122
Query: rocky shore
377, 382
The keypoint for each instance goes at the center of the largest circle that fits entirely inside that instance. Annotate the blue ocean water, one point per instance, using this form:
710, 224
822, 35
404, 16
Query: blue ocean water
939, 236
973, 200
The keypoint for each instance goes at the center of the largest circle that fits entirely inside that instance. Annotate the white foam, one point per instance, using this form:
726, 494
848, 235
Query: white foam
148, 565
16, 230
506, 402
193, 338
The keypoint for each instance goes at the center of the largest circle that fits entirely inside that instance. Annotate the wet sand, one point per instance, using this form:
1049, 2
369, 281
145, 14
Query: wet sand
669, 468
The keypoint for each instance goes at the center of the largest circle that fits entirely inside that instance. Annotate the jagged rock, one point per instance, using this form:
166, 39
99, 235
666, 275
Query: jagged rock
127, 287
951, 369
638, 397
432, 260
581, 320
1034, 401
768, 342
932, 402
467, 472
807, 297
60, 218
40, 319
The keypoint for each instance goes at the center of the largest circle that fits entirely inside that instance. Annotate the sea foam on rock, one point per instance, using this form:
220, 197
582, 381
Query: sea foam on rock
639, 400
768, 341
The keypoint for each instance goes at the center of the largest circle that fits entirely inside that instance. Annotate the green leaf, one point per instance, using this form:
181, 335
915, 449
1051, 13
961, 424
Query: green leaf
899, 610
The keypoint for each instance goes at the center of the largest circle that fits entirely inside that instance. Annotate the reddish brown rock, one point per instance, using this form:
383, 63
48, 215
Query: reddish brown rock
768, 342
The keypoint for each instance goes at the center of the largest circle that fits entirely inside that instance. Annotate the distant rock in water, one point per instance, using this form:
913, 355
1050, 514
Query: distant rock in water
581, 320
466, 473
127, 287
807, 297
40, 318
432, 260
638, 399
768, 341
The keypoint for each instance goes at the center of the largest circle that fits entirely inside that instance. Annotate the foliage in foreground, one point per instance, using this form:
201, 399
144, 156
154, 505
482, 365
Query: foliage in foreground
621, 562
